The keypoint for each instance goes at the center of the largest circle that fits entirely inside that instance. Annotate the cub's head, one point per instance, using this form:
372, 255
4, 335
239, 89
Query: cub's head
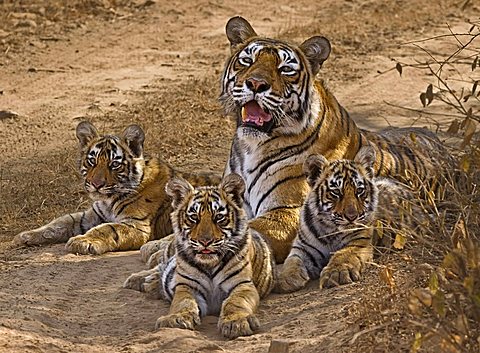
209, 222
268, 83
343, 193
110, 164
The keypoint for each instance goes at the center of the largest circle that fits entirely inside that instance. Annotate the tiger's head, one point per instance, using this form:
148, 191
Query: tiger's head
268, 84
343, 194
209, 221
110, 164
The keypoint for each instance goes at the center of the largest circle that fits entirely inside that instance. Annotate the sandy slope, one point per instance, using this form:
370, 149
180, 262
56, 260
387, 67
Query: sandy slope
160, 66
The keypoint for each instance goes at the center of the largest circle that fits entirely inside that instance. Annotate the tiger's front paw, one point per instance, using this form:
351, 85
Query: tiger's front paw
148, 249
293, 276
147, 281
238, 325
336, 274
44, 235
185, 320
90, 243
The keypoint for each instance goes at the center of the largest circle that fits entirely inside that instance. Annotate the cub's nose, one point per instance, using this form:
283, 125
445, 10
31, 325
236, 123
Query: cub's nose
257, 86
97, 184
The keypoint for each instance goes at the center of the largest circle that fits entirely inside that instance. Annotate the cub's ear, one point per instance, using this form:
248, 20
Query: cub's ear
134, 137
234, 186
178, 188
316, 49
239, 31
313, 167
366, 157
86, 132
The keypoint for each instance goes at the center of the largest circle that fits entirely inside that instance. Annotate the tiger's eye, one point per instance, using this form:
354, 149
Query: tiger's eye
245, 61
115, 164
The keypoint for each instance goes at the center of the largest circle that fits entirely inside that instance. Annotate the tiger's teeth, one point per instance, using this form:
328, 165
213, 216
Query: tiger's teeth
244, 114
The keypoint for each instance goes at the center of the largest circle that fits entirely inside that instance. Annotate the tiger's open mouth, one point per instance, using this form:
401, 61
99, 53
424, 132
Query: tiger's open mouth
254, 116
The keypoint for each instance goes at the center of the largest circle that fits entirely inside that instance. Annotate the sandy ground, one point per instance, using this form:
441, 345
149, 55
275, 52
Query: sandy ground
158, 63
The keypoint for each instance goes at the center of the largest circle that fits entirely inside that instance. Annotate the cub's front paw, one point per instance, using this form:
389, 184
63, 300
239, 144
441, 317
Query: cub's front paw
88, 244
336, 274
147, 249
234, 326
293, 276
147, 281
179, 320
45, 235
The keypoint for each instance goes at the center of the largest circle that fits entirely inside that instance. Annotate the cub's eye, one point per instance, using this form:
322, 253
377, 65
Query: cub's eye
335, 193
286, 70
360, 190
219, 218
193, 217
91, 161
115, 164
245, 61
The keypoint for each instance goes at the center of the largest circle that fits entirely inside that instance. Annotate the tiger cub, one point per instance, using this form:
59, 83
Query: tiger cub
130, 205
219, 266
338, 219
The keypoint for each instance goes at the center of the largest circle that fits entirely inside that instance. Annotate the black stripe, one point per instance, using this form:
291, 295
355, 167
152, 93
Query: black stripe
99, 214
289, 151
127, 203
200, 284
278, 183
234, 273
116, 237
82, 218
236, 285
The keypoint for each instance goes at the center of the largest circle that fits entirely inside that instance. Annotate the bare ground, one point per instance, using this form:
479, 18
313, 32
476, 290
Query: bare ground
158, 64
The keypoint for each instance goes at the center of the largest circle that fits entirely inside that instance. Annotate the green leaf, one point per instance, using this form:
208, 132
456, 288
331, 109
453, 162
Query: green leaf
433, 283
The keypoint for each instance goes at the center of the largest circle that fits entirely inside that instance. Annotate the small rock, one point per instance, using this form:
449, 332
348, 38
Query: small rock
23, 16
26, 23
8, 114
38, 44
4, 34
277, 346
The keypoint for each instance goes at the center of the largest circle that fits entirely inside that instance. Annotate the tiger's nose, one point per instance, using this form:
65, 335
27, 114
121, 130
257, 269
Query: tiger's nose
97, 184
351, 213
257, 86
205, 242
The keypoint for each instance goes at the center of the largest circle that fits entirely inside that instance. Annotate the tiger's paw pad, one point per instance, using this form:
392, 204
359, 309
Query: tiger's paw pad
243, 326
333, 276
84, 245
180, 320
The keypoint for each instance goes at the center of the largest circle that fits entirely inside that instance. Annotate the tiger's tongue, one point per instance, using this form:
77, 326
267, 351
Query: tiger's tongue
253, 113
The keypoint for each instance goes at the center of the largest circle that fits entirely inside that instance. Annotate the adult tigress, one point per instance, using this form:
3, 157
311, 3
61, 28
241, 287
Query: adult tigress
284, 115
128, 189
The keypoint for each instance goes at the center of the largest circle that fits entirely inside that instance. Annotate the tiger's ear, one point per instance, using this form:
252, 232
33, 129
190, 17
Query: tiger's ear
86, 132
234, 186
313, 167
316, 49
238, 31
134, 137
178, 188
366, 157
